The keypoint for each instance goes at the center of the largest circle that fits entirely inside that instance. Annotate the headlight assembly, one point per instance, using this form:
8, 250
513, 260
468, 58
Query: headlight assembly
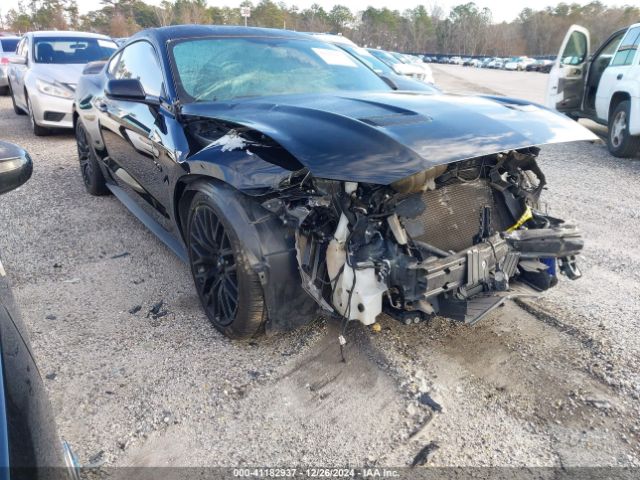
53, 89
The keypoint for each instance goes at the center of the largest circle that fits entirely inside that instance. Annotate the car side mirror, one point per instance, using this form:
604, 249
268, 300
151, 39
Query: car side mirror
129, 90
18, 60
15, 166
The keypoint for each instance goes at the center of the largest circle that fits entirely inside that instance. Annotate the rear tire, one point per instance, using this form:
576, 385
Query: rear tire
619, 141
89, 168
38, 131
17, 110
4, 90
228, 288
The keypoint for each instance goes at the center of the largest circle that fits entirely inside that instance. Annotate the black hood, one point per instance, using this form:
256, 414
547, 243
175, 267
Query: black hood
383, 137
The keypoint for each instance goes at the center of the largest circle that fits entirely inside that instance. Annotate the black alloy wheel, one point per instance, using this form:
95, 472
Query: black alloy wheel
214, 266
91, 175
230, 292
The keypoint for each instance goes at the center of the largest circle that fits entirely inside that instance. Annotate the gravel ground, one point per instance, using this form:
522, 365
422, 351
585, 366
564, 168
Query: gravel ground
137, 376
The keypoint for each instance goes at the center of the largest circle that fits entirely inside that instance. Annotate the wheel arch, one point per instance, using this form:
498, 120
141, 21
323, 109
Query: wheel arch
616, 99
184, 191
268, 245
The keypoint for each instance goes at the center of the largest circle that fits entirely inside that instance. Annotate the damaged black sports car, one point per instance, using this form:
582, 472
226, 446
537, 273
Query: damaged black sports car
292, 179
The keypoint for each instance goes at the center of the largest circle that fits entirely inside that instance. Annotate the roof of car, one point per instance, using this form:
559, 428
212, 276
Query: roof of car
333, 38
173, 32
64, 33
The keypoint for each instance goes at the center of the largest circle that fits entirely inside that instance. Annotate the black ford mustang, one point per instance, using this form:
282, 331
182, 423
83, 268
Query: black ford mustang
293, 178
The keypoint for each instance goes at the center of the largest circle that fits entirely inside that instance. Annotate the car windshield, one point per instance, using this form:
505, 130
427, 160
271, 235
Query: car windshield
61, 50
9, 44
385, 57
213, 69
400, 58
369, 60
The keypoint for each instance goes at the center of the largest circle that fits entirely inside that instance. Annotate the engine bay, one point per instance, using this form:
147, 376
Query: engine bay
455, 240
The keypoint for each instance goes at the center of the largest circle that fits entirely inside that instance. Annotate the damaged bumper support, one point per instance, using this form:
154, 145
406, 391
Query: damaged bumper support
464, 286
469, 284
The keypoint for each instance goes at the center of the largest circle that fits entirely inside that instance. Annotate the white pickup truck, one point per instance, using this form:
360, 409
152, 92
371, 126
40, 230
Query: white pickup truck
604, 87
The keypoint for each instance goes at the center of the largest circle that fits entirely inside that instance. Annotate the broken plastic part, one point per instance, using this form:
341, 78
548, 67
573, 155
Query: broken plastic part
398, 232
569, 267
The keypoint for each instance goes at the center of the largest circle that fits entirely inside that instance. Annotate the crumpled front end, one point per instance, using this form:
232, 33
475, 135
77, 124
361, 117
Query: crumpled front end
455, 240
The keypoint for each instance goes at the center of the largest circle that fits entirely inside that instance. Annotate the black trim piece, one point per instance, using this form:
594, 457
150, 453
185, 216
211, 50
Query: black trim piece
54, 116
169, 240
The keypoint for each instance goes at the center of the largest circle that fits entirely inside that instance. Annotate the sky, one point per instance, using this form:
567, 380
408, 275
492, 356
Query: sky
503, 10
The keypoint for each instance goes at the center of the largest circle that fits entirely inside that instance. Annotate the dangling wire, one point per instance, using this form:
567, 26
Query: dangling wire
345, 319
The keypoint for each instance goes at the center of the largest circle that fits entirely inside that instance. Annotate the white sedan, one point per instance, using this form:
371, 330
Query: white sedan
45, 70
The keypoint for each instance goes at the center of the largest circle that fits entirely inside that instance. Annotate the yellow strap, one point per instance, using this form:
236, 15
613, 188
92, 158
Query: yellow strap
526, 216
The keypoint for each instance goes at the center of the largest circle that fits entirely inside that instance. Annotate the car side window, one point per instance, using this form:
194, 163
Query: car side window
628, 47
603, 58
139, 60
576, 50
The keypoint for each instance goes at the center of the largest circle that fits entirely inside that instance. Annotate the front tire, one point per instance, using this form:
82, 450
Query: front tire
619, 141
89, 168
17, 110
228, 288
38, 131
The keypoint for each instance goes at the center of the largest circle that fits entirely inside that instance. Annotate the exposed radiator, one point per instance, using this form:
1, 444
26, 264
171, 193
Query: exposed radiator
452, 216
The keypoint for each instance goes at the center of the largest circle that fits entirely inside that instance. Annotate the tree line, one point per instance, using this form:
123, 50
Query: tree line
465, 29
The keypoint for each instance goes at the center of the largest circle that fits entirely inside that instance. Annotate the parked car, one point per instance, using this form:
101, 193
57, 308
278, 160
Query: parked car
518, 63
604, 87
455, 60
44, 72
29, 444
379, 67
411, 70
323, 189
533, 67
496, 63
486, 62
543, 66
546, 66
427, 75
7, 48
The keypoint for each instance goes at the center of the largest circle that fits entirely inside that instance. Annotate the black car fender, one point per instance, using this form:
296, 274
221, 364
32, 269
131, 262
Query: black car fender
268, 245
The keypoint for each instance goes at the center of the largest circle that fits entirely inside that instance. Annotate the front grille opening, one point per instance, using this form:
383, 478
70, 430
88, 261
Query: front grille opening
53, 116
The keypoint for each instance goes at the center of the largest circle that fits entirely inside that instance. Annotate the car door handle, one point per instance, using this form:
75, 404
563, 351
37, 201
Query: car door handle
619, 77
